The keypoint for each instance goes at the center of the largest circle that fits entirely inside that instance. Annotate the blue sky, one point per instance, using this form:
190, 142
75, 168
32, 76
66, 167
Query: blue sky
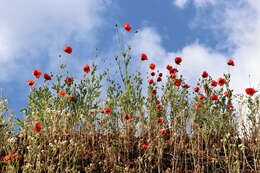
205, 33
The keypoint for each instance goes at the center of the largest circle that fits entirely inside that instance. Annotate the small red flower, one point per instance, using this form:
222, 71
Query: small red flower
173, 75
250, 91
68, 49
16, 156
30, 82
163, 131
62, 93
145, 146
231, 62
152, 66
196, 89
227, 93
69, 80
198, 105
127, 116
204, 74
158, 106
86, 68
150, 81
159, 79
160, 120
185, 86
37, 127
169, 67
160, 74
152, 73
177, 82
178, 60
157, 102
71, 97
7, 158
108, 110
127, 27
37, 73
174, 70
213, 83
143, 57
154, 91
229, 107
202, 97
221, 81
214, 97
46, 77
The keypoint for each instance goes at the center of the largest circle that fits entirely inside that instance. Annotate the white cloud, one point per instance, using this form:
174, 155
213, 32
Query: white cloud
30, 29
180, 3
197, 3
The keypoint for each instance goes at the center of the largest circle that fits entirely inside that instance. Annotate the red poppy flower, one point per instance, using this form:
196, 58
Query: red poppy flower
158, 106
160, 120
145, 146
16, 156
221, 81
152, 74
69, 80
108, 110
196, 89
177, 82
202, 97
198, 105
160, 74
185, 86
71, 97
204, 74
162, 131
127, 27
231, 62
68, 49
227, 93
250, 91
152, 66
86, 68
37, 73
213, 83
154, 91
150, 81
159, 79
30, 82
169, 67
46, 77
214, 97
178, 60
174, 70
173, 75
127, 116
37, 127
229, 107
7, 158
143, 57
62, 93
158, 102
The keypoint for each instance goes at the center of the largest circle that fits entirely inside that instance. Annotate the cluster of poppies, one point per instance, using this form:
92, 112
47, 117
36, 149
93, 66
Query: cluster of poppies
14, 156
172, 72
